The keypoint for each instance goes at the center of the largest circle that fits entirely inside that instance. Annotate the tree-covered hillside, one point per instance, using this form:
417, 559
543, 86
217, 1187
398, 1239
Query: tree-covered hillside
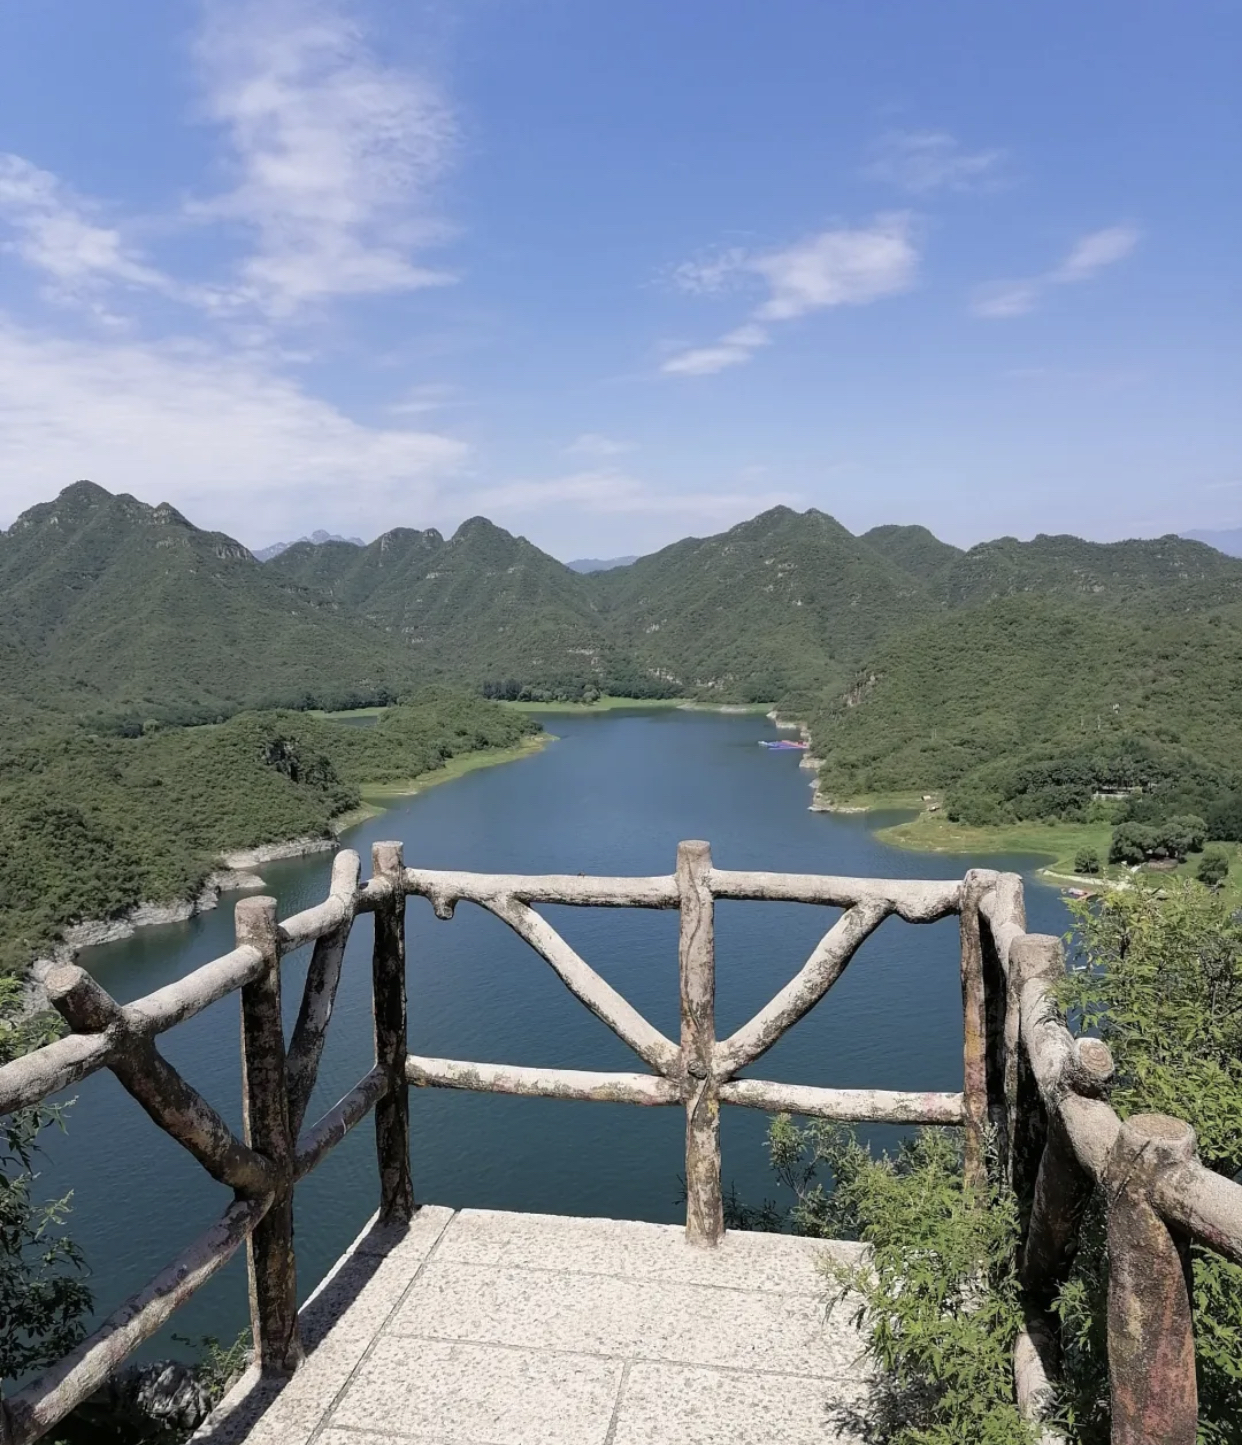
782, 603
92, 825
125, 612
967, 700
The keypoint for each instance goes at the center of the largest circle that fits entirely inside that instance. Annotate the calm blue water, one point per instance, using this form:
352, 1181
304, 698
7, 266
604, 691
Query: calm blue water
614, 795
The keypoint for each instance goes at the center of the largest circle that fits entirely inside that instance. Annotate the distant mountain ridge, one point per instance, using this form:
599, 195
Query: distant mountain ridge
110, 607
599, 564
318, 537
1228, 540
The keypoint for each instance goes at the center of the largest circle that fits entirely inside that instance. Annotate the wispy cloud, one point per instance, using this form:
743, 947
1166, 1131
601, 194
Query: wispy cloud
222, 434
335, 154
592, 444
923, 161
63, 236
1000, 300
605, 491
833, 268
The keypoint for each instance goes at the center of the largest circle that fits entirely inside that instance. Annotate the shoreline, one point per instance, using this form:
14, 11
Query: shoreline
233, 873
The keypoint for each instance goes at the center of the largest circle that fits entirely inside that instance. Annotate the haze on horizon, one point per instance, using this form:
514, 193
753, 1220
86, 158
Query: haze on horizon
612, 275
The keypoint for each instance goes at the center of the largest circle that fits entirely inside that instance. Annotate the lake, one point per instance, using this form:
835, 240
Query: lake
614, 795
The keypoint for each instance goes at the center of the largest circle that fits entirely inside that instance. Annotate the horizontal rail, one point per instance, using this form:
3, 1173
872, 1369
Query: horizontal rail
326, 1133
55, 1066
176, 1002
915, 901
859, 1106
1205, 1204
444, 889
51, 1397
613, 1088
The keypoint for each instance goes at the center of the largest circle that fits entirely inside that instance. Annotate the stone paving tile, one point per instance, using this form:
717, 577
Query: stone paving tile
466, 1394
338, 1323
604, 1315
744, 1260
680, 1405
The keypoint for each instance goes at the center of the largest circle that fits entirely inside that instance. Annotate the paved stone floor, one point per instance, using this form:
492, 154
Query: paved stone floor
483, 1328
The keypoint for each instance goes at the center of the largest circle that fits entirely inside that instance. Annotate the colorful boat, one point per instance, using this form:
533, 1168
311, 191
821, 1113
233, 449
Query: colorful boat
784, 745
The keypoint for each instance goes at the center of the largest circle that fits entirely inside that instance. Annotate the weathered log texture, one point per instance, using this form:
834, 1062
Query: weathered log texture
51, 1397
861, 1106
392, 1113
607, 1088
1035, 1394
696, 954
1151, 1347
179, 1109
974, 1039
1203, 1203
271, 1264
326, 1133
326, 918
588, 987
190, 995
916, 902
1003, 907
57, 1066
444, 890
812, 981
1062, 1189
319, 994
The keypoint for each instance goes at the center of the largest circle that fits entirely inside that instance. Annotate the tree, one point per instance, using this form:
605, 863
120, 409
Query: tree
43, 1295
1162, 985
1086, 860
1132, 843
1213, 867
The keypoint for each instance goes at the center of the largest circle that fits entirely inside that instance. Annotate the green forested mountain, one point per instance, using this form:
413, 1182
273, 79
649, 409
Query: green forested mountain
1166, 571
485, 606
113, 608
920, 663
914, 549
782, 603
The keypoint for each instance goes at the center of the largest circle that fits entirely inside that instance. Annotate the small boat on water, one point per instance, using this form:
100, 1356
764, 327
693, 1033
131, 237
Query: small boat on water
784, 745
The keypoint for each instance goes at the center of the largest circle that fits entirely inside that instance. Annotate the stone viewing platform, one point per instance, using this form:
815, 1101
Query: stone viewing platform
478, 1328
483, 1328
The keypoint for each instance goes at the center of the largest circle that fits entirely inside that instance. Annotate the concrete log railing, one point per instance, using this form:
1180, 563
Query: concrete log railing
1028, 1085
1063, 1141
262, 1167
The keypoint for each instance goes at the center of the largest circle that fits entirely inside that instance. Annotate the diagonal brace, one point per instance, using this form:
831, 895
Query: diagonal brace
588, 987
178, 1108
812, 981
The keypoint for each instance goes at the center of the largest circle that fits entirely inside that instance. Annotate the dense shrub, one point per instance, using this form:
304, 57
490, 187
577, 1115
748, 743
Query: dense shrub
1213, 867
1086, 860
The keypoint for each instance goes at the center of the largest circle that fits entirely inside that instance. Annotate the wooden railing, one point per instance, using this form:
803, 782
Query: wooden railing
1031, 1090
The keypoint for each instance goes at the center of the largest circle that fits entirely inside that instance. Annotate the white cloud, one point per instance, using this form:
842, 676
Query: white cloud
608, 492
710, 273
237, 444
834, 268
1094, 252
335, 154
592, 444
55, 231
922, 161
999, 300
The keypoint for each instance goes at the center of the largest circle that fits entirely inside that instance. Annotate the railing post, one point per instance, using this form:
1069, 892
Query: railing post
392, 1113
974, 1044
1061, 1189
265, 1115
1151, 1347
697, 959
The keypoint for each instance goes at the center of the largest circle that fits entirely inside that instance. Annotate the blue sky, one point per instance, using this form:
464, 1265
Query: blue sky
614, 273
